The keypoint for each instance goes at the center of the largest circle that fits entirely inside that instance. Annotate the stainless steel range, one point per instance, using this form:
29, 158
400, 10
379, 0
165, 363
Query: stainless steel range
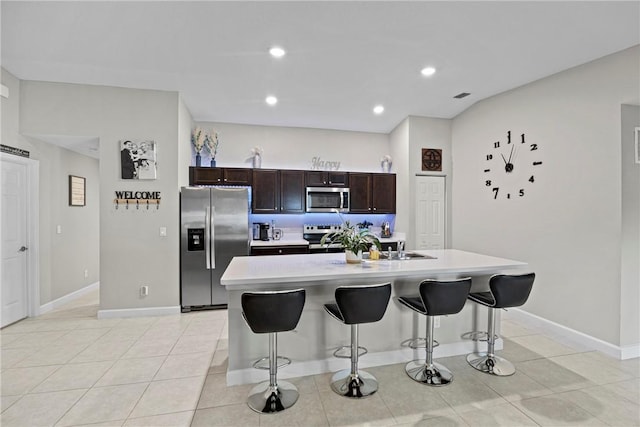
313, 233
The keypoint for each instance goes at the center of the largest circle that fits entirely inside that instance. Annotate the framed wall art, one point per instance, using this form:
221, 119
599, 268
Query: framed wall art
137, 159
77, 191
432, 159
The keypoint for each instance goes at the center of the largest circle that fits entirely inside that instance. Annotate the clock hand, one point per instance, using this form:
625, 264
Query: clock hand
505, 160
510, 154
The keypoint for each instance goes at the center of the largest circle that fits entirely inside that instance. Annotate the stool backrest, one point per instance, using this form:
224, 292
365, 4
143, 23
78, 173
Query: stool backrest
511, 290
273, 311
444, 297
363, 304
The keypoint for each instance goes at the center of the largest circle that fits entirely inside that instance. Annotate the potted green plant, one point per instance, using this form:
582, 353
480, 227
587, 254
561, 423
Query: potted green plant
354, 241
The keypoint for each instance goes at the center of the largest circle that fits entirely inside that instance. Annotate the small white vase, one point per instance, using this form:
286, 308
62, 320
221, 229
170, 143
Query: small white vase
257, 161
353, 258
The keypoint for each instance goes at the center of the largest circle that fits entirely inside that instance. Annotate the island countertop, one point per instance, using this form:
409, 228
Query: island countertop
249, 272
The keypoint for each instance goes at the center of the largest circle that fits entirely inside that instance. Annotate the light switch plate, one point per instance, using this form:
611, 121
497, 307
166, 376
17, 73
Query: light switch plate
59, 229
163, 231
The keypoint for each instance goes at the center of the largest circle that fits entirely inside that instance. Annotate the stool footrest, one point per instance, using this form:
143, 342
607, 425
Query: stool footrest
344, 352
477, 336
418, 343
263, 363
434, 374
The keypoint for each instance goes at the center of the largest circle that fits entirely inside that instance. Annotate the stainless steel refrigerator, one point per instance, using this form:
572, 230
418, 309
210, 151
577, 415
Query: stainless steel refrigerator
214, 224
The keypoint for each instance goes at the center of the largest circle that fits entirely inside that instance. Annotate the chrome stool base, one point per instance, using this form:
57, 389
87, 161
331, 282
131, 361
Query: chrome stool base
266, 399
434, 374
494, 365
362, 384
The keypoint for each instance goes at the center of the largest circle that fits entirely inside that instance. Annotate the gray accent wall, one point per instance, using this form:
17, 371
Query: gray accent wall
64, 257
568, 225
630, 262
132, 252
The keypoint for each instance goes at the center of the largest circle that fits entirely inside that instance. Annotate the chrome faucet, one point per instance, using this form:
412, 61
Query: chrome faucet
389, 253
401, 249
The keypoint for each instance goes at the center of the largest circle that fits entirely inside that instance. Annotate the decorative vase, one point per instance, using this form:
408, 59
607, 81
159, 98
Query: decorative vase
257, 161
353, 258
198, 159
386, 166
213, 163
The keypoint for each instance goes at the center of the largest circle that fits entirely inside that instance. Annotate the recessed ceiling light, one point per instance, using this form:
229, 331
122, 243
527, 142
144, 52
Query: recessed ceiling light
277, 52
428, 71
271, 100
378, 109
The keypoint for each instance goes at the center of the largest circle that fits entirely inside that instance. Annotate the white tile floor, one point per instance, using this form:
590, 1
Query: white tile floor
66, 368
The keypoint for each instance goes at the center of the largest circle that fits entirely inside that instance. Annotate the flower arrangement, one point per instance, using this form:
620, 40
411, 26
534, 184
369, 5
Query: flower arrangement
198, 139
257, 151
351, 238
211, 142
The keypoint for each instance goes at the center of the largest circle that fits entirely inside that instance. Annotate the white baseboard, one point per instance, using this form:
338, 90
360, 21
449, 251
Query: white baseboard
57, 303
138, 312
577, 337
315, 367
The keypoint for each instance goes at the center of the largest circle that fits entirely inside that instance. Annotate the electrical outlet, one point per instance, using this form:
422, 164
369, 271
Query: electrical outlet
86, 273
436, 321
144, 290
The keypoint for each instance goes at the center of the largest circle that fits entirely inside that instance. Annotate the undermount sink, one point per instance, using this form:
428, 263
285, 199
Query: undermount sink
405, 256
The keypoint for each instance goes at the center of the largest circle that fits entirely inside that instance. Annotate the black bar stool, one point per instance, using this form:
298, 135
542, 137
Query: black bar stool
270, 313
505, 291
437, 298
355, 305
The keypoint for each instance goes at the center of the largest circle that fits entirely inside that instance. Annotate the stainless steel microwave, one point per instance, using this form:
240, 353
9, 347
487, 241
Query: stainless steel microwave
327, 199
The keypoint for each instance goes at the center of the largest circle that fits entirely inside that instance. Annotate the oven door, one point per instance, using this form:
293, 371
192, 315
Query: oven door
327, 199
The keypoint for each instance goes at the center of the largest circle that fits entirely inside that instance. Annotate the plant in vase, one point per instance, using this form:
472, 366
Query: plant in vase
211, 142
354, 241
197, 139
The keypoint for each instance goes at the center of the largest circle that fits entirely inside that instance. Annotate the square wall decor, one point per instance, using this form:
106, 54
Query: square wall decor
432, 159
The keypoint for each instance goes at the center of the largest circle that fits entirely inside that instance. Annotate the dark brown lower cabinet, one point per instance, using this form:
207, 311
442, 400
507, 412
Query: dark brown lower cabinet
280, 250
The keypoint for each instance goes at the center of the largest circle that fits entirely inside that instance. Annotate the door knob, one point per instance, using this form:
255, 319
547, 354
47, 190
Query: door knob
22, 249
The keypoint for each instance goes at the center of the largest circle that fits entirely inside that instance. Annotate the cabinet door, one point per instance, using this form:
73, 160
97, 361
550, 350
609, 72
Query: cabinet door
237, 176
279, 250
204, 176
338, 179
384, 193
292, 191
360, 192
315, 178
265, 194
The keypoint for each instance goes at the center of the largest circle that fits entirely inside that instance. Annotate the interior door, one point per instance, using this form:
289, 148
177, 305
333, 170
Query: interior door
14, 295
430, 212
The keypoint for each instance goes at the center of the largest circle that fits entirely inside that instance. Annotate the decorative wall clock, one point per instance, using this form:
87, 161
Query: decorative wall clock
431, 159
510, 167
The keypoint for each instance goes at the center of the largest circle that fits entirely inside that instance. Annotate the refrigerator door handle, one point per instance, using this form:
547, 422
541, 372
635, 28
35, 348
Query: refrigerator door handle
207, 237
212, 251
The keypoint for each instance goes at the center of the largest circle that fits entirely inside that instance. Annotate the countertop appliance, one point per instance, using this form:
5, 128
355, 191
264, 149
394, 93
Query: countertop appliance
261, 231
214, 224
313, 233
327, 199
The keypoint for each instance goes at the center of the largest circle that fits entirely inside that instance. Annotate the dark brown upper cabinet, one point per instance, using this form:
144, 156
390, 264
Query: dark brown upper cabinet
326, 179
219, 176
372, 193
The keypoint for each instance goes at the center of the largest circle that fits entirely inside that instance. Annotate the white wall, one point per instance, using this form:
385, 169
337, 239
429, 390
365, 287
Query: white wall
294, 148
399, 150
63, 257
630, 265
425, 132
568, 225
131, 251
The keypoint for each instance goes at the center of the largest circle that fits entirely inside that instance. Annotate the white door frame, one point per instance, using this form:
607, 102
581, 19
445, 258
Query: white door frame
33, 230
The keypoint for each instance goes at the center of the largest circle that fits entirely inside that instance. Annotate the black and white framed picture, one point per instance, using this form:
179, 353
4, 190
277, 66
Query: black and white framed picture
137, 159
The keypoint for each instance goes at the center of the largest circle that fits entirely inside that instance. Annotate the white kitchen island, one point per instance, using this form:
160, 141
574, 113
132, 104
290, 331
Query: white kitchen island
311, 345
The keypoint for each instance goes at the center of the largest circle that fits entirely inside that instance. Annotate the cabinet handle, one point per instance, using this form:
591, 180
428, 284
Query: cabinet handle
324, 182
280, 251
225, 180
375, 209
218, 179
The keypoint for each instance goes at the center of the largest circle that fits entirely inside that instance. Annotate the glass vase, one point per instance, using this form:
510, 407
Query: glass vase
198, 160
213, 163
